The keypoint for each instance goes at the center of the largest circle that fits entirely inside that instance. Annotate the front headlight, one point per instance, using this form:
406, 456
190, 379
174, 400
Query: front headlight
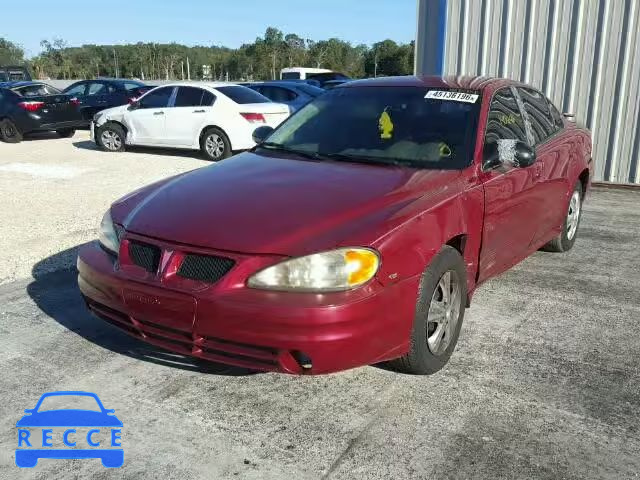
108, 237
332, 271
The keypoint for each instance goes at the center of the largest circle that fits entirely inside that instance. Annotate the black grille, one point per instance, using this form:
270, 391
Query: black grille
205, 268
145, 256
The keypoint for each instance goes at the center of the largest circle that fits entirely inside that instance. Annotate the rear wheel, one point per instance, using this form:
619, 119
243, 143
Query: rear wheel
439, 313
66, 132
215, 145
564, 242
111, 137
9, 132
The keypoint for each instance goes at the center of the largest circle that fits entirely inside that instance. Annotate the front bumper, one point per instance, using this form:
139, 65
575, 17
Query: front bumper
299, 333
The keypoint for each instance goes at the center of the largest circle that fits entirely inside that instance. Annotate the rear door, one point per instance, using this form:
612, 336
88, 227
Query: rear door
512, 205
552, 156
188, 115
147, 121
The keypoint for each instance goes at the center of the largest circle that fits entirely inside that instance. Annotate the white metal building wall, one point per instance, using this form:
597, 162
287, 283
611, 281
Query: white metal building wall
584, 54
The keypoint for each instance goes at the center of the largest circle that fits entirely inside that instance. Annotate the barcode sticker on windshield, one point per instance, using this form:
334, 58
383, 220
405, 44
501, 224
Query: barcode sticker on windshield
452, 96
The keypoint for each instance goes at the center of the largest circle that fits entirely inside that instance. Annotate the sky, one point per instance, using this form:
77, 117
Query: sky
200, 22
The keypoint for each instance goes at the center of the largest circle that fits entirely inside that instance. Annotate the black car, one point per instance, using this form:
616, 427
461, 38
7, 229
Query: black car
100, 94
27, 107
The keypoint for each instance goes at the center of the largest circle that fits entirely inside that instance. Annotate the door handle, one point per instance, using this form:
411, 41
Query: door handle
198, 111
158, 113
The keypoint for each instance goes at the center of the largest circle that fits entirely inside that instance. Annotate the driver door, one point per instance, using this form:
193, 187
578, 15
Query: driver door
512, 211
146, 119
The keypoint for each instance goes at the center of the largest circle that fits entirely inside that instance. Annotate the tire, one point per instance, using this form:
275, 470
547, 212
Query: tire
564, 242
66, 132
110, 137
426, 356
215, 144
9, 133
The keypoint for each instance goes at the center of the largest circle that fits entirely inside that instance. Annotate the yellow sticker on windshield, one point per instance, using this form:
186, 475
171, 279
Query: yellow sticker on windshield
385, 125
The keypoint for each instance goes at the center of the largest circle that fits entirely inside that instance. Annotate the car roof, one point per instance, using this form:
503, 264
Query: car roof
200, 84
483, 84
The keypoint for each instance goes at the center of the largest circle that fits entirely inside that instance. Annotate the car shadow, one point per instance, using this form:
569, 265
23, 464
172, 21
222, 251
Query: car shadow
167, 152
55, 291
35, 136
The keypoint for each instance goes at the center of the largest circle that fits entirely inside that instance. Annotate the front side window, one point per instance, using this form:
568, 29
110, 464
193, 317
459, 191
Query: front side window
557, 117
399, 125
537, 107
158, 98
78, 89
505, 121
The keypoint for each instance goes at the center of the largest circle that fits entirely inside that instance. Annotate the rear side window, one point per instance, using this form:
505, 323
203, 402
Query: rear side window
290, 76
97, 89
537, 107
242, 95
207, 98
132, 85
157, 98
188, 97
278, 94
505, 121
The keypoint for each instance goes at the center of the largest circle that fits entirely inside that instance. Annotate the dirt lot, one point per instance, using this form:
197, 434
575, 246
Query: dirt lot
544, 383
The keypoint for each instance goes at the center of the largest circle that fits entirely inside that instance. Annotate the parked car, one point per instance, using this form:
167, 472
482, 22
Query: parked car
326, 77
217, 118
355, 233
27, 107
294, 94
14, 73
98, 95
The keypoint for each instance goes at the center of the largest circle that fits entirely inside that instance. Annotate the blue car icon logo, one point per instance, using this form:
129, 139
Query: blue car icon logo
62, 433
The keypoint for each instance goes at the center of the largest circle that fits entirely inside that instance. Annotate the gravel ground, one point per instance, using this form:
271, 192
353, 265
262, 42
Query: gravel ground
54, 191
544, 382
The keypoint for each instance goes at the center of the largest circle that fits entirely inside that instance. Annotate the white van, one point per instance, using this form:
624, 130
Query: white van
300, 73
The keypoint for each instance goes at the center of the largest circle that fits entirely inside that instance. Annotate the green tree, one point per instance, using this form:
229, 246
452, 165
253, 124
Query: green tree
10, 53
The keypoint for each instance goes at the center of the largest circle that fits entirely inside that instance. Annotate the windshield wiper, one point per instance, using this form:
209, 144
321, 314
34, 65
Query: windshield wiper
283, 148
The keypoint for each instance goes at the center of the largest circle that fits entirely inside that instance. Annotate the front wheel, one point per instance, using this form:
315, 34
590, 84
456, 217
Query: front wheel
9, 133
215, 145
564, 242
111, 137
439, 313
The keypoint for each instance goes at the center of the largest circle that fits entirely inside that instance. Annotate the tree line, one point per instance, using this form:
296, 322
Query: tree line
260, 60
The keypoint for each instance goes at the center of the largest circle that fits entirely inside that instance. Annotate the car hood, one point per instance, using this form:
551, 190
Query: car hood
264, 204
69, 418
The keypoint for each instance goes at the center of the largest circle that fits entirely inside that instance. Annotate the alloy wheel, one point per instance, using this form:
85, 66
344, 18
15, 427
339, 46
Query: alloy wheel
111, 140
573, 216
444, 312
214, 145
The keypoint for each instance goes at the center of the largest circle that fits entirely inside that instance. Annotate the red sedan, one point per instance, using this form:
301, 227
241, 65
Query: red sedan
355, 233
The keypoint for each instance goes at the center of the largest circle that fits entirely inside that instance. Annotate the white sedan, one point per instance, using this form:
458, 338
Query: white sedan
216, 118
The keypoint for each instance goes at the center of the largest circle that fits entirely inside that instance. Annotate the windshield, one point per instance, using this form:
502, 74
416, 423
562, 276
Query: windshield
398, 124
69, 402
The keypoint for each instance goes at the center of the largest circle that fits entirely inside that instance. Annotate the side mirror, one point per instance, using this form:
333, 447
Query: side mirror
508, 152
260, 134
133, 105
